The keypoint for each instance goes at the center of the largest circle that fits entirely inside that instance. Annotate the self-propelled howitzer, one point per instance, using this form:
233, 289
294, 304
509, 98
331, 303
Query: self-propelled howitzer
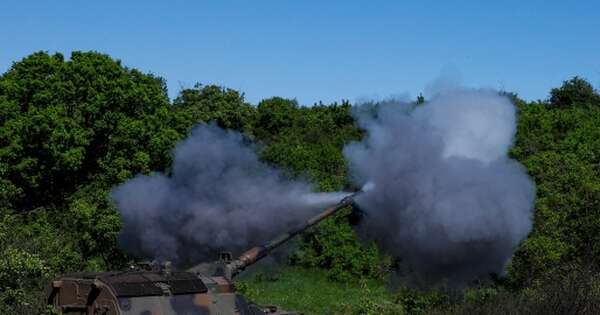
152, 289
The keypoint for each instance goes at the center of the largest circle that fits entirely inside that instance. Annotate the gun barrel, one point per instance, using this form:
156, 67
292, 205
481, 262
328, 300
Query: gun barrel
256, 253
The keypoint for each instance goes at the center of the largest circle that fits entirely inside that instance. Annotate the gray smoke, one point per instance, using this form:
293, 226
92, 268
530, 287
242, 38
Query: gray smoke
441, 193
219, 196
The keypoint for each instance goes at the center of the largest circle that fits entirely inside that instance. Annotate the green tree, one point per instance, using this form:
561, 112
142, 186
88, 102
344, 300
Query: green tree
559, 143
70, 130
224, 106
31, 252
65, 122
574, 92
273, 115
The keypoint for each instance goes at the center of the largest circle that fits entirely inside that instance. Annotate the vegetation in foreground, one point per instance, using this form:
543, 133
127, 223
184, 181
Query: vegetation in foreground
70, 129
312, 291
574, 289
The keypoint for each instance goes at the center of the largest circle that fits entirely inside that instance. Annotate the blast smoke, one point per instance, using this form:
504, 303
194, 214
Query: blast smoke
443, 195
219, 196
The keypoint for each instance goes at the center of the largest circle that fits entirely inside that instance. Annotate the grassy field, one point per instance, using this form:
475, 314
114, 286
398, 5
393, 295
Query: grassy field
311, 292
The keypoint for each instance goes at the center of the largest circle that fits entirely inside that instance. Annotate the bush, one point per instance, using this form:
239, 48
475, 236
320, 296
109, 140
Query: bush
23, 268
334, 246
572, 289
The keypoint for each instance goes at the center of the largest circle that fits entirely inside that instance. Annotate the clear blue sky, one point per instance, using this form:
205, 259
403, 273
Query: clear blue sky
321, 50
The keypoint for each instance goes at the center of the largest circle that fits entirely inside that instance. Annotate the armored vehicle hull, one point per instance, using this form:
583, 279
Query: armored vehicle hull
149, 293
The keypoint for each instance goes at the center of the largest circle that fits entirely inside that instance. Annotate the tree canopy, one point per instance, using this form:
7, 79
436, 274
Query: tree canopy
70, 129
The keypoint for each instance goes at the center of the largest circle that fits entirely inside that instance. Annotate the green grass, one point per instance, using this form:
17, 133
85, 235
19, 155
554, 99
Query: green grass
310, 291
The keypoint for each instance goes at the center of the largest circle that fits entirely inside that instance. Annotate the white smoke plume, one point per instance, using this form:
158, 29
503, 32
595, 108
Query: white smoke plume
219, 196
443, 195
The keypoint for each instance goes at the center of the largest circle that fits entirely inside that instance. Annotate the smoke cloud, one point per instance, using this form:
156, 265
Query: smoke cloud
441, 193
219, 196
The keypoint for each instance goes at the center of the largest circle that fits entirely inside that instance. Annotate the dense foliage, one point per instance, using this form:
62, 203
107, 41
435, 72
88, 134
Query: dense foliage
559, 143
70, 129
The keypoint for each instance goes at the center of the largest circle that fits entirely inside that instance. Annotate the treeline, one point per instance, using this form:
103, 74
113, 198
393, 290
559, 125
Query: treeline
72, 129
